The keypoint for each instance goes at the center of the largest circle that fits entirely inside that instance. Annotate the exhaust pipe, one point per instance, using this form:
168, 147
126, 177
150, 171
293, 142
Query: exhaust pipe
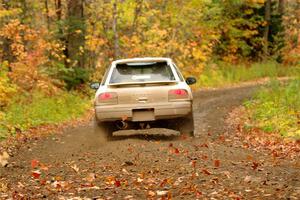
121, 125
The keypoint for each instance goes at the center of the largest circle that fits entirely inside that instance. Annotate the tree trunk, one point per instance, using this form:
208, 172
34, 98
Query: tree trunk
298, 23
58, 9
7, 54
267, 27
281, 6
137, 12
24, 10
47, 14
115, 31
75, 34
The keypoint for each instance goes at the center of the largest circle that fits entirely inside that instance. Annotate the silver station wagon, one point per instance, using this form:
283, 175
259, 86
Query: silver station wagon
142, 93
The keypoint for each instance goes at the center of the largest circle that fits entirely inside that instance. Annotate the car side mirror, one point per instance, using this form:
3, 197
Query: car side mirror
95, 85
190, 80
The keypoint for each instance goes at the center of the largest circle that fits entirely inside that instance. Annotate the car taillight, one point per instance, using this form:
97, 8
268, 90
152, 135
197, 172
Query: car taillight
108, 98
178, 94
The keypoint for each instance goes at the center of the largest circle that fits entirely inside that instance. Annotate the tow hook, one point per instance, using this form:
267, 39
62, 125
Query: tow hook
145, 126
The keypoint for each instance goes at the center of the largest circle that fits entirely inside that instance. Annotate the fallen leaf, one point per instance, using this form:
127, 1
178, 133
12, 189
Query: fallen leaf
110, 180
151, 193
117, 183
44, 167
75, 168
227, 174
249, 157
4, 159
255, 165
125, 171
90, 177
161, 192
198, 193
89, 188
139, 180
217, 163
205, 171
248, 179
36, 174
193, 163
3, 187
128, 197
204, 145
43, 181
34, 163
179, 180
127, 163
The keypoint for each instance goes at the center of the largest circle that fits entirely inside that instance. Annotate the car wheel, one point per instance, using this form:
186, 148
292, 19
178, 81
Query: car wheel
103, 128
184, 125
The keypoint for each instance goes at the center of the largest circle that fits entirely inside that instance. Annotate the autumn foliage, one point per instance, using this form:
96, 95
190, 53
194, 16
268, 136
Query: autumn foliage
51, 47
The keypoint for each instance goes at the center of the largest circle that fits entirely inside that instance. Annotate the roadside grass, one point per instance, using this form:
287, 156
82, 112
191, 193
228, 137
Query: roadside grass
276, 108
221, 74
32, 110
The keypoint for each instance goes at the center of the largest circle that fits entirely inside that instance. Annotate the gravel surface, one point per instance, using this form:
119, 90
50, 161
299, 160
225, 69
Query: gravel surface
214, 164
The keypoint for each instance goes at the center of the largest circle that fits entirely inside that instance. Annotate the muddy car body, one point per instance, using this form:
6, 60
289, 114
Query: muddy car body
144, 92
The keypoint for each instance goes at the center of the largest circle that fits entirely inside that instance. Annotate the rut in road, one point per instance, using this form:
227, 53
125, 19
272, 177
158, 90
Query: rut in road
79, 163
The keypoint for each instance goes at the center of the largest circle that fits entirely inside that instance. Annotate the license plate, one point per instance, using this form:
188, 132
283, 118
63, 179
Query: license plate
143, 115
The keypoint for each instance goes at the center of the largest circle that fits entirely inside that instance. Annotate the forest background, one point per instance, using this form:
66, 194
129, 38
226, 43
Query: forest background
51, 49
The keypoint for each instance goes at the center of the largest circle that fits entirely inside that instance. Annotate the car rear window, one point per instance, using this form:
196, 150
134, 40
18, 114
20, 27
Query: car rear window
142, 72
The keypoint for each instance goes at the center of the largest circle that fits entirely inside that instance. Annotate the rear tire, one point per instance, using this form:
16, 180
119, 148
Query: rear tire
184, 125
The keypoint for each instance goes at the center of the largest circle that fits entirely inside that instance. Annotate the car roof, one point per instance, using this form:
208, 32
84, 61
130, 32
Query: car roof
146, 59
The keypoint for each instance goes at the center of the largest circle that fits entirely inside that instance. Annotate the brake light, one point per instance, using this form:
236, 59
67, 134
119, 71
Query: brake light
108, 98
178, 94
105, 96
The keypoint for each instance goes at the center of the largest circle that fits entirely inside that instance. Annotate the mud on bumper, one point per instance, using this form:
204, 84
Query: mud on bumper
148, 112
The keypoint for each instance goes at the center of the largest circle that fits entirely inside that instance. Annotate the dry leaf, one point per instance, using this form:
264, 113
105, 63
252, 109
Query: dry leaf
161, 193
217, 163
248, 179
90, 177
151, 193
4, 159
205, 171
75, 168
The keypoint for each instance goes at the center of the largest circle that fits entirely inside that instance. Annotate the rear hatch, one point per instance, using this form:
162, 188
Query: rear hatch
142, 83
143, 93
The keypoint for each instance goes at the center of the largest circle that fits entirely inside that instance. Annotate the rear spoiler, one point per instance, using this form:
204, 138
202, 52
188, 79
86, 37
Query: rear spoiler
142, 83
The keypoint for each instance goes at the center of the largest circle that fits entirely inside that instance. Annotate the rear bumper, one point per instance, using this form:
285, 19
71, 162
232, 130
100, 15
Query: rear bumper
168, 110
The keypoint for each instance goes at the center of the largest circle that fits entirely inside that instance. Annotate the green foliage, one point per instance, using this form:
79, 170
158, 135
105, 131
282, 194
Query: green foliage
220, 73
72, 76
29, 111
241, 37
276, 108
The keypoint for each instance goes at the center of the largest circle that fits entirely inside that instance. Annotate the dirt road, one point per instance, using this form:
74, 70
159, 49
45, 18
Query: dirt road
213, 165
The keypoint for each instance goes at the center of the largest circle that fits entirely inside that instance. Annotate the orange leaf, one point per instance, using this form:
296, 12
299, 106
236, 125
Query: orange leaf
34, 163
205, 171
193, 163
217, 163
